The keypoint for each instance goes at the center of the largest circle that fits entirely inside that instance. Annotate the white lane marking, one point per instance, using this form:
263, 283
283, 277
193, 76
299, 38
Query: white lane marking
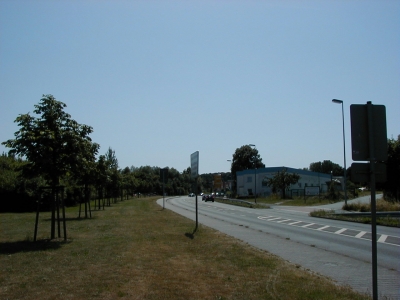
340, 231
294, 223
323, 227
304, 226
284, 220
360, 235
383, 238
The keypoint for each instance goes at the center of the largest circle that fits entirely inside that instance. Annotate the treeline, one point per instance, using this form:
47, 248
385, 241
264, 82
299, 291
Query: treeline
20, 193
52, 153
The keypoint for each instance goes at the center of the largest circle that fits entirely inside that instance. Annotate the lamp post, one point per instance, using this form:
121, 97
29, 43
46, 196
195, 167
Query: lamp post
344, 150
231, 185
255, 175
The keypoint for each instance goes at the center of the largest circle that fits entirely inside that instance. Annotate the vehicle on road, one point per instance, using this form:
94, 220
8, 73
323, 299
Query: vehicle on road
191, 195
208, 198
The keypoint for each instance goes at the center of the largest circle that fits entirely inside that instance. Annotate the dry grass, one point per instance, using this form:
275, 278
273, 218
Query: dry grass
381, 205
136, 250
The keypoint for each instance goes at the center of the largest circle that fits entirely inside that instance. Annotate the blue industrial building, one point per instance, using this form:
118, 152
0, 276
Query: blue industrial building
255, 181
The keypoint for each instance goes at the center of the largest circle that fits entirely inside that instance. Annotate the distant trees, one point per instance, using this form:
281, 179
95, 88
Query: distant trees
17, 193
282, 181
326, 167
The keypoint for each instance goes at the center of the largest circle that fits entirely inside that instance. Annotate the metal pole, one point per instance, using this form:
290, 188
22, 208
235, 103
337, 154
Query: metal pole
373, 203
197, 209
255, 184
344, 158
163, 187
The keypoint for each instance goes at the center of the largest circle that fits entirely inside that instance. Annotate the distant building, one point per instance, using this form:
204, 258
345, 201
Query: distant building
250, 181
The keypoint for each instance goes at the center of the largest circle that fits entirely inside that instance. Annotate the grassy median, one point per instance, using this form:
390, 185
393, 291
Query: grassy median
136, 250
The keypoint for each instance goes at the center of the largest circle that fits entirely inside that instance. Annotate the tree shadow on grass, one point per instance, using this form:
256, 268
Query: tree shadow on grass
70, 219
30, 246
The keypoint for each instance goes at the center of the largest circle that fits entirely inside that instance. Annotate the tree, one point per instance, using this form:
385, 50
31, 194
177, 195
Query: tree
326, 167
16, 192
245, 158
282, 181
392, 185
53, 144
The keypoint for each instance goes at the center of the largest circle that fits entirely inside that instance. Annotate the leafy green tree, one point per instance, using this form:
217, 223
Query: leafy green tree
53, 144
326, 167
392, 185
115, 180
282, 181
245, 158
16, 192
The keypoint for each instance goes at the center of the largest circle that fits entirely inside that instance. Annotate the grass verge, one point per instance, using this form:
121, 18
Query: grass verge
384, 221
136, 250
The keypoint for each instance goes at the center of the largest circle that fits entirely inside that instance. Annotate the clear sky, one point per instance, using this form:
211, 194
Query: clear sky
159, 80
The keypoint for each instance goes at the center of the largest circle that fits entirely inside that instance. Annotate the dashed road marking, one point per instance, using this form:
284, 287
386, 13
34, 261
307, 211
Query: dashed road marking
323, 227
340, 231
359, 234
305, 226
383, 238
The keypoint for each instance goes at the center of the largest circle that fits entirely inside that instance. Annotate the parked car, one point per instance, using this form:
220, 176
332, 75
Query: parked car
191, 195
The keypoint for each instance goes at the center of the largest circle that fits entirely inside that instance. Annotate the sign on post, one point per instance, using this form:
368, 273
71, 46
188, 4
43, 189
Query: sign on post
164, 175
369, 143
194, 164
360, 134
360, 172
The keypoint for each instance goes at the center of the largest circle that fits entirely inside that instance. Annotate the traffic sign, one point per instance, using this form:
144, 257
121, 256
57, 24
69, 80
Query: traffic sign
361, 133
194, 164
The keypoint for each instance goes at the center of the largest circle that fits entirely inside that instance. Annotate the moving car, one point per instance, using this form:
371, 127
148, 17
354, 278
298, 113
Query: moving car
208, 198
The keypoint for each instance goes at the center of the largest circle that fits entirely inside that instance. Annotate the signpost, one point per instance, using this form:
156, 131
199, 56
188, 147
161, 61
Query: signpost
194, 166
369, 143
164, 178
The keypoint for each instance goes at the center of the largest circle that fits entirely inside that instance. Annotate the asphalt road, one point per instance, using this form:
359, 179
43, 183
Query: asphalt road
336, 249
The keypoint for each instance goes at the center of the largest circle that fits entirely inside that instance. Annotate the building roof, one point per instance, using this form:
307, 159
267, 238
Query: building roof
280, 169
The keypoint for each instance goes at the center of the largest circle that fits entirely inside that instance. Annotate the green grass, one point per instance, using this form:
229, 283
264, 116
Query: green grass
136, 250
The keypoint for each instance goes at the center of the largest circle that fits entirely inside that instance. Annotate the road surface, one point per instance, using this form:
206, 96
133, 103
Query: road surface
336, 249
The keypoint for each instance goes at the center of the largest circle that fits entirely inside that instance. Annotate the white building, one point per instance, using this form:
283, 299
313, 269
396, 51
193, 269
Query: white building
255, 180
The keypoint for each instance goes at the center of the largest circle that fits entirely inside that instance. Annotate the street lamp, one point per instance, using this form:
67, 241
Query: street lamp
255, 175
344, 150
231, 185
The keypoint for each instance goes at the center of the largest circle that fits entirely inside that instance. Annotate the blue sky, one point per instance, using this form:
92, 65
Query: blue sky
159, 80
